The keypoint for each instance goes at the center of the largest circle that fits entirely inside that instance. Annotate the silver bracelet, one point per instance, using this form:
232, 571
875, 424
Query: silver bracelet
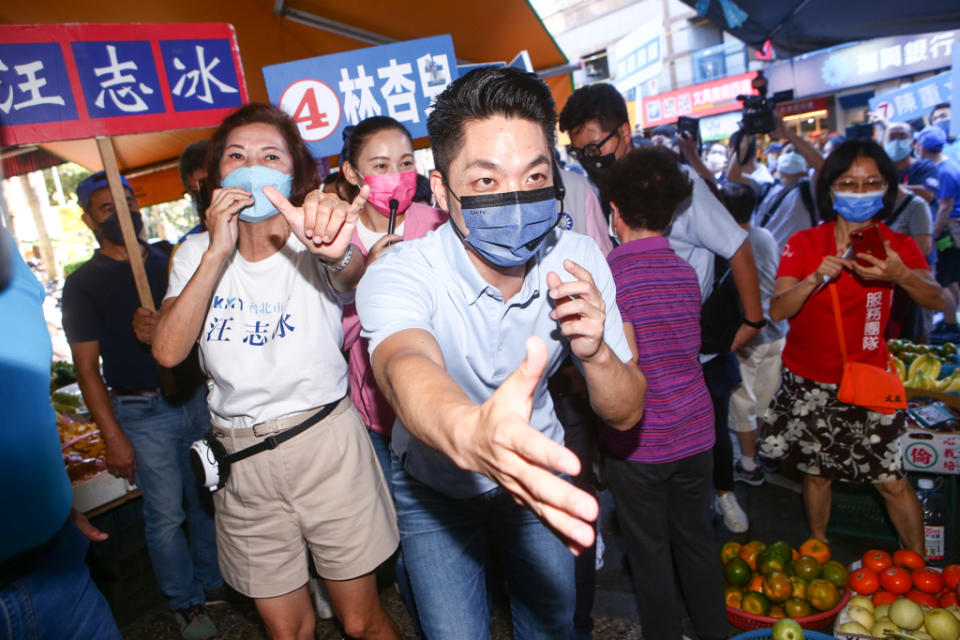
343, 264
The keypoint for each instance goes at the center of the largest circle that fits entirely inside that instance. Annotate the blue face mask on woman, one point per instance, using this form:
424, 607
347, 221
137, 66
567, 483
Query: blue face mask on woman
858, 207
507, 229
254, 179
897, 149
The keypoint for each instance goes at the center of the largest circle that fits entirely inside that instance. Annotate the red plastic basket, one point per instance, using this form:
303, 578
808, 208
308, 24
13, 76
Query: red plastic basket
746, 621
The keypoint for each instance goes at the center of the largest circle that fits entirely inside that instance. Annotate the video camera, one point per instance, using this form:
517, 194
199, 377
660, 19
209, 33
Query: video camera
758, 116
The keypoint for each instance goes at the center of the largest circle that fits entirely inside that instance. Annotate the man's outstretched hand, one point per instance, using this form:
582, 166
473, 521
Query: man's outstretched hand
504, 447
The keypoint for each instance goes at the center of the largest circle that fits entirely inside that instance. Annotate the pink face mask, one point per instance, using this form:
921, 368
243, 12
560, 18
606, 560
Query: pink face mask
391, 186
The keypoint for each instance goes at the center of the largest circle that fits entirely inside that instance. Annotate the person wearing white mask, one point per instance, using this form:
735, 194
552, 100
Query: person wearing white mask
716, 160
789, 205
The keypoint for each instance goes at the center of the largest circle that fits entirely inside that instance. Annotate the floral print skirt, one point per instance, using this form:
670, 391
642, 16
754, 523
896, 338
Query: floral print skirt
822, 436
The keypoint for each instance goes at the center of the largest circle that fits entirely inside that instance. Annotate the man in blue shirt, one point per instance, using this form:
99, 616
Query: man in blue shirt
147, 437
45, 587
465, 326
930, 143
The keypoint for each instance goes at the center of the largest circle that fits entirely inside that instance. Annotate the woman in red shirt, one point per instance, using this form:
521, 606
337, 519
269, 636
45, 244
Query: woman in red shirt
826, 439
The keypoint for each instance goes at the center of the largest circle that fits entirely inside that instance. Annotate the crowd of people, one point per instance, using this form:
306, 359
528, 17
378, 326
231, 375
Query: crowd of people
437, 378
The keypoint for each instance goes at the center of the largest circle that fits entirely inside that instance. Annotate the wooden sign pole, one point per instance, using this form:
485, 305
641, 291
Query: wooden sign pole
130, 241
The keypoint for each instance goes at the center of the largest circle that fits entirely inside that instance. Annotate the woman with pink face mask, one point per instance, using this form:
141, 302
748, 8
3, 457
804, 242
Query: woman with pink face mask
379, 153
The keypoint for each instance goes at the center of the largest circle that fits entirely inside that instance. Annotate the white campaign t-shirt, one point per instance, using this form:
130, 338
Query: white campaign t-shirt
272, 335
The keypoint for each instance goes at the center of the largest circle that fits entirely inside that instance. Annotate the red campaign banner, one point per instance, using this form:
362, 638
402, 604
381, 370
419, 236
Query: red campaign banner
704, 99
68, 81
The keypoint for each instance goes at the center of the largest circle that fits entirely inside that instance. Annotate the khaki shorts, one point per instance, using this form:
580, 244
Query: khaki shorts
321, 491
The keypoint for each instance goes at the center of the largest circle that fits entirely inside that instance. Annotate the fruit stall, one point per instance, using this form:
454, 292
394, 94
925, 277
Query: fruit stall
777, 591
84, 456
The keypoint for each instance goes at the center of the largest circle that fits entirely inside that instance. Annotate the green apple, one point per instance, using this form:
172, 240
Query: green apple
787, 629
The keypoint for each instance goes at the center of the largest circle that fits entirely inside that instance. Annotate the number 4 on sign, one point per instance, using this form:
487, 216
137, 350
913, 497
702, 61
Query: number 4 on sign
314, 107
308, 112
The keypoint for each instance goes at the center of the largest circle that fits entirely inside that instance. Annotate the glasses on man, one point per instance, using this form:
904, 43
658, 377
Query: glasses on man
847, 185
592, 149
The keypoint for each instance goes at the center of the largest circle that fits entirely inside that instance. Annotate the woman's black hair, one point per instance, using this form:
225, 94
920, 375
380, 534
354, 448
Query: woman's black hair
839, 161
484, 93
354, 140
648, 186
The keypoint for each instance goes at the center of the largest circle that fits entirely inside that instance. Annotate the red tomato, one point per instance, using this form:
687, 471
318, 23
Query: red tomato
877, 560
896, 580
928, 580
864, 581
883, 597
949, 599
951, 576
908, 559
923, 598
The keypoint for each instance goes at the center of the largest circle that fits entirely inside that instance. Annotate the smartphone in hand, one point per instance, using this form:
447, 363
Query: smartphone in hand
868, 240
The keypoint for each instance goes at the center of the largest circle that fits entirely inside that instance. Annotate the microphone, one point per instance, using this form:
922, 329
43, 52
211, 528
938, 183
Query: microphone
394, 205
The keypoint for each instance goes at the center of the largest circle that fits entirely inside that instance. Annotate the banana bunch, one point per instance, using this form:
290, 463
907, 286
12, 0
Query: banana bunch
924, 372
927, 363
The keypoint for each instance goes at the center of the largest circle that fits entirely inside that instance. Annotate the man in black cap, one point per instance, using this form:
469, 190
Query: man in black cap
147, 438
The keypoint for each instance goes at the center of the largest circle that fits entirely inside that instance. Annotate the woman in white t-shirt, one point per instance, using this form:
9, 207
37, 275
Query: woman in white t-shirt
262, 293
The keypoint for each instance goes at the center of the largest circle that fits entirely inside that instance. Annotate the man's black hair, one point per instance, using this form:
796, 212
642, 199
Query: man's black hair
739, 199
484, 93
837, 163
941, 105
601, 102
647, 185
667, 130
192, 158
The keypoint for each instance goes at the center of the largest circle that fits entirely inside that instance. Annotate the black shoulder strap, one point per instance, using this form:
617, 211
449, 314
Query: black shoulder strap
899, 210
806, 193
776, 203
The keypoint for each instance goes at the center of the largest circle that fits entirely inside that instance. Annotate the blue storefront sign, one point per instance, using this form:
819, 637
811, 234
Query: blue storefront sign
327, 93
914, 100
856, 64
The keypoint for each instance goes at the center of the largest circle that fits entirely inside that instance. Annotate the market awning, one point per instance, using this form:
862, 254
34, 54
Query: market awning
495, 33
799, 26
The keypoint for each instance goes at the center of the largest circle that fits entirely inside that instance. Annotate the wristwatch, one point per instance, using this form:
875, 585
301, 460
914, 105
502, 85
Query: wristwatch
755, 325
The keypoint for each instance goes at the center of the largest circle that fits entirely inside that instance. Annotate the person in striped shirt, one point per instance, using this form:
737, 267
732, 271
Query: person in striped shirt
660, 471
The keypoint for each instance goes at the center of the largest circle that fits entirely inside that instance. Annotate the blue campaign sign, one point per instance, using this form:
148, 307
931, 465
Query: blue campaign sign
914, 100
327, 93
201, 74
955, 99
34, 85
118, 78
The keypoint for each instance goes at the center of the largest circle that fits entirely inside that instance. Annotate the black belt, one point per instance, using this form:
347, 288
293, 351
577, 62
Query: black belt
274, 441
12, 569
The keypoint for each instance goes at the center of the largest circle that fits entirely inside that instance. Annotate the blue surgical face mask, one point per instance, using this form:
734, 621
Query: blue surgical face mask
945, 125
254, 179
858, 207
898, 148
791, 163
507, 229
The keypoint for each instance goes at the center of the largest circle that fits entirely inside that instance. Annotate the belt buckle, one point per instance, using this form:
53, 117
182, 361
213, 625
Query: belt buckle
266, 428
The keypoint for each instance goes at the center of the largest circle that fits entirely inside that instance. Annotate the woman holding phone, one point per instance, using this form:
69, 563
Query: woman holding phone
826, 439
